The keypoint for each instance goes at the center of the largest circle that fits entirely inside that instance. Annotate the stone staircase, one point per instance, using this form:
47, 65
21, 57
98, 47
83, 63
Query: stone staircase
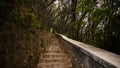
54, 54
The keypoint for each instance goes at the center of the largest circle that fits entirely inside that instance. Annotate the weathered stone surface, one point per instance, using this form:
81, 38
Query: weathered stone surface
53, 54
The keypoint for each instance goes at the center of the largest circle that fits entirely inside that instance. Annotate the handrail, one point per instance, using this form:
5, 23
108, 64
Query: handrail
102, 57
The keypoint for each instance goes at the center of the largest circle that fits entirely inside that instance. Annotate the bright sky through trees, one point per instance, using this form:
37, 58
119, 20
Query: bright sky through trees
56, 2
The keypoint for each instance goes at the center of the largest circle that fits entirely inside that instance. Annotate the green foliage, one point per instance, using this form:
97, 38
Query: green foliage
51, 29
78, 7
25, 18
112, 34
102, 27
75, 25
85, 6
17, 20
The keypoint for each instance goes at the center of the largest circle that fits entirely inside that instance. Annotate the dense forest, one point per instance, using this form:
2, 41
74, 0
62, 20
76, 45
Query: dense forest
94, 22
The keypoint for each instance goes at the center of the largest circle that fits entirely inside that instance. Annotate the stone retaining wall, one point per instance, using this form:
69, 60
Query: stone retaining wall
91, 57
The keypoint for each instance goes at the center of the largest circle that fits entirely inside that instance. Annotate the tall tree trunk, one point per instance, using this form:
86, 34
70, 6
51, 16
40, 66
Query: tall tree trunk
73, 8
73, 17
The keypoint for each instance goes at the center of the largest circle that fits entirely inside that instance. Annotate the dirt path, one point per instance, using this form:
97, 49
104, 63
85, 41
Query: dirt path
54, 54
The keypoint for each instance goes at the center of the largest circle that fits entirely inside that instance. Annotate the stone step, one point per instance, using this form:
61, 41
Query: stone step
53, 55
55, 65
